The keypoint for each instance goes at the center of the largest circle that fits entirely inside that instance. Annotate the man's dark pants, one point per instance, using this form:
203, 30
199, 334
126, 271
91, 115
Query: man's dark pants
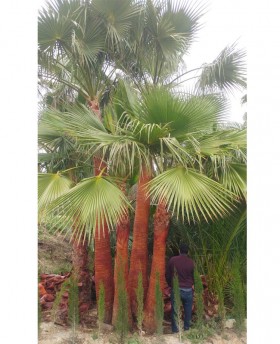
187, 301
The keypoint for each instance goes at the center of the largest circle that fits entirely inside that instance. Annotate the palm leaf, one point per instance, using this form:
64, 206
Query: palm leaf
187, 191
234, 179
182, 114
88, 207
226, 72
50, 187
220, 142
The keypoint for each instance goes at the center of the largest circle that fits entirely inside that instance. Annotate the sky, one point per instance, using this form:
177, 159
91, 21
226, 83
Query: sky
223, 23
18, 172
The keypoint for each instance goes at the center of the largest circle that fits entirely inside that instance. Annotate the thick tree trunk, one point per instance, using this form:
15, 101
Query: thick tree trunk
102, 249
121, 265
103, 260
139, 253
81, 271
104, 271
80, 266
161, 228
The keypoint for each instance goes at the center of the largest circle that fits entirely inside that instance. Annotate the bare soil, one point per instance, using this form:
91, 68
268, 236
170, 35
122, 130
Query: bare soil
56, 334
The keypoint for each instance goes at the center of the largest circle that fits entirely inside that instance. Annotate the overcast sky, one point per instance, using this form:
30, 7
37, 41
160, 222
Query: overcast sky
223, 24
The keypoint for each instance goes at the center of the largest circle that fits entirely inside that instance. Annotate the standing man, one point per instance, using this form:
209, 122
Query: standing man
184, 267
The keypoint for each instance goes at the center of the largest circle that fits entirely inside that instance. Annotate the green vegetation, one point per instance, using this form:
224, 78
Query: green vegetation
140, 303
112, 113
198, 299
58, 297
101, 307
122, 325
199, 335
159, 307
73, 306
177, 306
238, 296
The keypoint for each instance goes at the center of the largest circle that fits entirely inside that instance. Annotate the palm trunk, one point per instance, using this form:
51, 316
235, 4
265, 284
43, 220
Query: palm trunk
161, 228
103, 266
102, 249
81, 271
80, 266
121, 264
104, 270
139, 253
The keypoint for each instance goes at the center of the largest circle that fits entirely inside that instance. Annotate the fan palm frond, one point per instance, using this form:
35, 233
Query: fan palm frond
88, 207
225, 73
234, 179
50, 187
188, 192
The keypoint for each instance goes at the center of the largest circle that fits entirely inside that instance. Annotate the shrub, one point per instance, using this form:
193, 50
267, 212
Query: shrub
159, 306
140, 302
177, 305
122, 325
198, 299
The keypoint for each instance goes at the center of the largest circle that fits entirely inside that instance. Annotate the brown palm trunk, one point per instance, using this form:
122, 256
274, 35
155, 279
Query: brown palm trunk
81, 271
103, 266
80, 266
102, 249
139, 253
104, 270
161, 228
121, 264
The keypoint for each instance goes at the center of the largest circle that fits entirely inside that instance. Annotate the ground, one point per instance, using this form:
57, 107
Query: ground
56, 334
54, 255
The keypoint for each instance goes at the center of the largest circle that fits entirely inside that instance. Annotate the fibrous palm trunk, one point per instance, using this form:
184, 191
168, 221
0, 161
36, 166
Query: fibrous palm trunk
121, 264
81, 272
103, 266
104, 270
80, 266
139, 253
161, 228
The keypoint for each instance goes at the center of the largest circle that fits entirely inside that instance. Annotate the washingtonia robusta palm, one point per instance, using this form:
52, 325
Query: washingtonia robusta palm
157, 40
68, 171
76, 40
172, 137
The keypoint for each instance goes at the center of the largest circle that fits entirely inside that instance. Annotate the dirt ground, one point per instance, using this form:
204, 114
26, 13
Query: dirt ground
57, 334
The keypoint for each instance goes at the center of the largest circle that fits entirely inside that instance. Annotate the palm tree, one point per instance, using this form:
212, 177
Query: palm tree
156, 132
61, 154
173, 137
159, 40
76, 40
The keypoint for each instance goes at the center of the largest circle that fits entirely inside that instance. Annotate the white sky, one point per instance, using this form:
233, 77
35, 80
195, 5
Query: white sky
18, 172
224, 23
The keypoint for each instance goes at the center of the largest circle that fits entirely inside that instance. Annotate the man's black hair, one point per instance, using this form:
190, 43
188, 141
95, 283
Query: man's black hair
184, 248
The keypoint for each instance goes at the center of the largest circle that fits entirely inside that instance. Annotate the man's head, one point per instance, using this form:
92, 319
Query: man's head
184, 249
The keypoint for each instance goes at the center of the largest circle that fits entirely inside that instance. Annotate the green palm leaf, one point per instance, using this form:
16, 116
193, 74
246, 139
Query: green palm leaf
234, 178
116, 16
187, 191
220, 142
50, 187
226, 72
182, 114
88, 207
